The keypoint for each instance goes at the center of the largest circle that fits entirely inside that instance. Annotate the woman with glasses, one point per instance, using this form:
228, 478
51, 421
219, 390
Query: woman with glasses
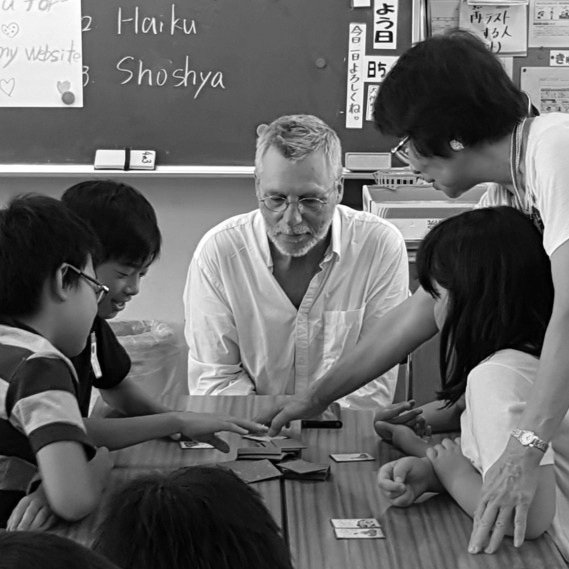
461, 121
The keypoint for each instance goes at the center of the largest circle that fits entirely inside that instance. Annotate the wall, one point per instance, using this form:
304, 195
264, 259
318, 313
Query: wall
186, 209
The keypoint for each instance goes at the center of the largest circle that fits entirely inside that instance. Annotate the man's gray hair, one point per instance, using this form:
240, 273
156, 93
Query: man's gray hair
299, 136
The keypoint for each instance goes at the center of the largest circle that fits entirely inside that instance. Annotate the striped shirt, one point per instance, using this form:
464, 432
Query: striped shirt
38, 403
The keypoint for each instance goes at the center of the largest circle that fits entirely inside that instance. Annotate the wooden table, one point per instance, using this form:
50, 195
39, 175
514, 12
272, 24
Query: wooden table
431, 535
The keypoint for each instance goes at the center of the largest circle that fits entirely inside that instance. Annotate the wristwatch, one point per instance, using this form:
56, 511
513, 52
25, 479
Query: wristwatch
529, 439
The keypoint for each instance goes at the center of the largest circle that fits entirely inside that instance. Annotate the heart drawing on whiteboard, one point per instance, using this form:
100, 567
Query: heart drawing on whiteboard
7, 86
10, 30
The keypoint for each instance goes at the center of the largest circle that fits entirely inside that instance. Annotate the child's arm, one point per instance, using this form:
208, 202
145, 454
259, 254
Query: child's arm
127, 431
72, 485
130, 399
464, 483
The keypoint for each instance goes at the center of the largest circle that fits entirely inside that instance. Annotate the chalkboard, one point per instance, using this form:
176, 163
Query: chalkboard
218, 69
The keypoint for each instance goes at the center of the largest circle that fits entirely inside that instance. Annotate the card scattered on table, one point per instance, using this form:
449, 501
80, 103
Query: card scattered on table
355, 523
286, 445
263, 438
194, 445
260, 453
253, 471
359, 533
352, 457
304, 470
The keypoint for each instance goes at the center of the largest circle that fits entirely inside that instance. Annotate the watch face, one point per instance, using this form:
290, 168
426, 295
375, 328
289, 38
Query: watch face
526, 438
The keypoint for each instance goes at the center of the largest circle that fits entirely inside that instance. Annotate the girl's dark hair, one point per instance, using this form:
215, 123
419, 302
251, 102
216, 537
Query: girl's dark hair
448, 87
197, 517
500, 289
40, 550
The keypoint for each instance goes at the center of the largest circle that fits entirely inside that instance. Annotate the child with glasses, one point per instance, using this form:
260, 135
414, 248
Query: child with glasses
46, 313
125, 224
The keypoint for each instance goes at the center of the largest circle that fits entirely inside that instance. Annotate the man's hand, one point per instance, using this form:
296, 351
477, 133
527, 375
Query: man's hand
404, 414
32, 513
298, 407
204, 426
508, 490
404, 480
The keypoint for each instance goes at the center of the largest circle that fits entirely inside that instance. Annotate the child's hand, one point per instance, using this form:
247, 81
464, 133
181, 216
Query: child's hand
404, 480
447, 456
204, 426
101, 465
400, 436
404, 414
32, 513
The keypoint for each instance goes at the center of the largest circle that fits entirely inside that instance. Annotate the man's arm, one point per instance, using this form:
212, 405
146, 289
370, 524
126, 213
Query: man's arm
511, 482
214, 357
392, 338
389, 273
464, 483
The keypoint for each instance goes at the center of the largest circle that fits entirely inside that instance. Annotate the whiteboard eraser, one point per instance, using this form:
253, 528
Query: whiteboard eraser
110, 159
367, 161
142, 159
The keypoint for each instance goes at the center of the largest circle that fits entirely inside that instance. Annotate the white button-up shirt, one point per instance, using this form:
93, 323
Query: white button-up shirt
245, 335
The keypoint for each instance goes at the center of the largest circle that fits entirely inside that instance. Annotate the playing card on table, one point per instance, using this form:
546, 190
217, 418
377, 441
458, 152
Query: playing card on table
304, 470
195, 445
287, 444
355, 523
254, 471
352, 457
360, 533
258, 453
263, 438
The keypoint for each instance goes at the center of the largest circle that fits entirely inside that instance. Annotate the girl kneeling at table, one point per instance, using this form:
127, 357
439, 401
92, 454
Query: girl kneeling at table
491, 281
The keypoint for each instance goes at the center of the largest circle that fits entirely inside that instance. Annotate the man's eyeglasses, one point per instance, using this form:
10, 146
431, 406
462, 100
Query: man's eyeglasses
280, 203
401, 151
100, 289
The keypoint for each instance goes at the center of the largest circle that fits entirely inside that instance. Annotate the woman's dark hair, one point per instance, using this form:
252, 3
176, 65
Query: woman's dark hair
448, 87
500, 289
197, 517
39, 550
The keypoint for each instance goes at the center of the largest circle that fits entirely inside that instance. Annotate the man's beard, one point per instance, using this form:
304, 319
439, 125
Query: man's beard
301, 229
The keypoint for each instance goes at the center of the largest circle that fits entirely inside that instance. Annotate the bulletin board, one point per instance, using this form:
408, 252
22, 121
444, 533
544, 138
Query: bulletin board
192, 80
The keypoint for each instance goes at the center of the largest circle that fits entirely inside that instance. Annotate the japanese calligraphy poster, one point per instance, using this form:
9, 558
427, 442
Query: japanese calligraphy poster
355, 80
40, 53
385, 17
502, 28
549, 23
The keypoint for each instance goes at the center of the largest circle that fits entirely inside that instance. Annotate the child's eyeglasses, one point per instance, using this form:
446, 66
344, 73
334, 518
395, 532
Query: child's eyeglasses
100, 289
401, 151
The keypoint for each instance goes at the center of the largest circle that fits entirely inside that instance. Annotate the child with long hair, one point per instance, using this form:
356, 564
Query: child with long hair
491, 281
198, 517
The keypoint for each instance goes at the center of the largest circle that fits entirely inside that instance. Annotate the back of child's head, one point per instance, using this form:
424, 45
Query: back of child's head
37, 235
500, 289
39, 550
121, 217
199, 517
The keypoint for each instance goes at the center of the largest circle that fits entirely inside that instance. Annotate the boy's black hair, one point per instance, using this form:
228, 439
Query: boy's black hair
121, 217
500, 289
42, 550
448, 87
37, 235
194, 517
